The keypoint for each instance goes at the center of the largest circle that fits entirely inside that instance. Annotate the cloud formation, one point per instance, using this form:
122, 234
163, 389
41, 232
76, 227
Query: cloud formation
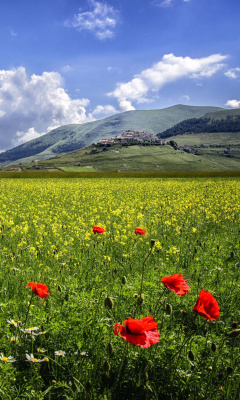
31, 107
233, 103
233, 73
104, 110
166, 3
169, 69
101, 21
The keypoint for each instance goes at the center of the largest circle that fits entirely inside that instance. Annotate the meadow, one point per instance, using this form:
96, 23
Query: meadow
67, 341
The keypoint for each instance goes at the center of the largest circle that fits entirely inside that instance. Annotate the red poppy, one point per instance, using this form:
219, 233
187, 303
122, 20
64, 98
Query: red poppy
141, 332
139, 231
207, 306
39, 289
176, 283
97, 229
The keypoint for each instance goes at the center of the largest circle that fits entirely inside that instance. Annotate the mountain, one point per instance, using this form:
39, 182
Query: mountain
74, 136
221, 121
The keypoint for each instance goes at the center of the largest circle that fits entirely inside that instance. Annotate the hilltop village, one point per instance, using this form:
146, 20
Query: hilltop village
133, 137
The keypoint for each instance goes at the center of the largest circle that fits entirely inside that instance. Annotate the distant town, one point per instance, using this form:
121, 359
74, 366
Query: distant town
133, 136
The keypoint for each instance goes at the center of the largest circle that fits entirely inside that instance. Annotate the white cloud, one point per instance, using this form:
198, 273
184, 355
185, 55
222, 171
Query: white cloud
66, 68
163, 3
233, 103
101, 21
185, 98
233, 73
32, 107
13, 33
105, 110
125, 105
169, 69
110, 69
166, 3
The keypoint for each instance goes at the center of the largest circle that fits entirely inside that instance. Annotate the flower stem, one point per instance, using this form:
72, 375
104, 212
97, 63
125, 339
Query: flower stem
29, 305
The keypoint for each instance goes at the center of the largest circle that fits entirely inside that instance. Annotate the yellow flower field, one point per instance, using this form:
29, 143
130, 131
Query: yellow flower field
46, 235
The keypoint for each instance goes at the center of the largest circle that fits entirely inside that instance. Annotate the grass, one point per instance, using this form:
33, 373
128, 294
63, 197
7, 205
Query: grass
46, 236
144, 158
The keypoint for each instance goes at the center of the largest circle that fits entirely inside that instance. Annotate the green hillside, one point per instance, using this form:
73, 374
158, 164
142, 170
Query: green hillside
74, 136
138, 158
221, 121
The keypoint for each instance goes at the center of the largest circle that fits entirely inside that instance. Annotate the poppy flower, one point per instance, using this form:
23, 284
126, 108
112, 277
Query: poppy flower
97, 229
176, 283
140, 332
207, 306
139, 231
39, 289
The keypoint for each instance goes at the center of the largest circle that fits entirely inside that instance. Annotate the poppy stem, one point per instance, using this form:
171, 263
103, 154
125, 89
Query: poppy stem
157, 305
141, 285
29, 305
143, 269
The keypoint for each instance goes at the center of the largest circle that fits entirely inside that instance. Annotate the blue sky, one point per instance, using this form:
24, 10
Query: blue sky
69, 61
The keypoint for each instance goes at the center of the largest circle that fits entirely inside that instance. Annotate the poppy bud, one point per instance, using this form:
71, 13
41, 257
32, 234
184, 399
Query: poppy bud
106, 366
234, 325
184, 312
234, 333
124, 280
109, 349
191, 355
140, 299
108, 302
168, 309
213, 347
88, 386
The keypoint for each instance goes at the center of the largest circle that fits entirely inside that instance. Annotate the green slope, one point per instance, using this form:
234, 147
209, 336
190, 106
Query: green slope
221, 121
137, 158
74, 136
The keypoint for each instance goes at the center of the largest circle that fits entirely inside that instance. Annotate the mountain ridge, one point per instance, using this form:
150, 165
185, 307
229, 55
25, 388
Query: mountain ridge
74, 136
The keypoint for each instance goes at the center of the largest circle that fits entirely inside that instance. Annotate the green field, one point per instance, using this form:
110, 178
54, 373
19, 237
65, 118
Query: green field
63, 346
147, 158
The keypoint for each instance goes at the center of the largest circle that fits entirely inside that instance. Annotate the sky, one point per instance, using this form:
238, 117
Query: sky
74, 61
